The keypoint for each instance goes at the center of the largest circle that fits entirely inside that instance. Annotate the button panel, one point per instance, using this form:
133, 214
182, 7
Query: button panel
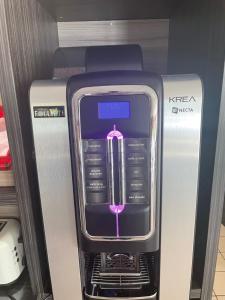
137, 170
94, 154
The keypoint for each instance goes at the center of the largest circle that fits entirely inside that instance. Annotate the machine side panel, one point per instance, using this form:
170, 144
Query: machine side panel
180, 169
52, 149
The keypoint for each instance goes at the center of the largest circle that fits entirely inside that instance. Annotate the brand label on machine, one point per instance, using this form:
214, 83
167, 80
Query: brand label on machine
183, 99
49, 111
177, 110
179, 100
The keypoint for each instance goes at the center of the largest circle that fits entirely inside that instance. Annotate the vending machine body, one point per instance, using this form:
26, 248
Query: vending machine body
117, 156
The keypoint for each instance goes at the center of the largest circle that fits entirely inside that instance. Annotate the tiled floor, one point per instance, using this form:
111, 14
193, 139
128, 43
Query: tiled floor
219, 284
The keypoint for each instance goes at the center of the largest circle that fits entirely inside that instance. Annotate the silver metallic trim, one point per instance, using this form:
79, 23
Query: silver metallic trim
180, 161
110, 171
153, 125
122, 171
52, 150
152, 297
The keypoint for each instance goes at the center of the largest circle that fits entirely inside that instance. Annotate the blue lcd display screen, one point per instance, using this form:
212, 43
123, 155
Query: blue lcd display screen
114, 110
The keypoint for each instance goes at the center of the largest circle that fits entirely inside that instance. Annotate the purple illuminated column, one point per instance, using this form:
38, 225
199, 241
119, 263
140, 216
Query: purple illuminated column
114, 208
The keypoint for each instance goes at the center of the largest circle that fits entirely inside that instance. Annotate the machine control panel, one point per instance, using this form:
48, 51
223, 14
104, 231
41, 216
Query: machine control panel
97, 169
116, 162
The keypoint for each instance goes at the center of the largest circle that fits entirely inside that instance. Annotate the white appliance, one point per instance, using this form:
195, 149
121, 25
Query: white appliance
11, 251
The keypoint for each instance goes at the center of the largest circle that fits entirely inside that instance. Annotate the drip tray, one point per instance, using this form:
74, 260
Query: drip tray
134, 281
121, 280
152, 297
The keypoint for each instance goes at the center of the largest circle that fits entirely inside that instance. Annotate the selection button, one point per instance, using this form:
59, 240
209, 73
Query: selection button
95, 185
135, 172
94, 159
94, 146
136, 145
95, 172
136, 158
137, 197
136, 185
96, 198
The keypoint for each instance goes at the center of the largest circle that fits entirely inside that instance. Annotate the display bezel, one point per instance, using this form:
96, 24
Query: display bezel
119, 90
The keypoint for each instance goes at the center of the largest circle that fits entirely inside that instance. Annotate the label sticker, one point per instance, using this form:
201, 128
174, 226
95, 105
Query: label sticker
49, 111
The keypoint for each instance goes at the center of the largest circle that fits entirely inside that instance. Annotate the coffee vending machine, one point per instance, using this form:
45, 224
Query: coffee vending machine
117, 153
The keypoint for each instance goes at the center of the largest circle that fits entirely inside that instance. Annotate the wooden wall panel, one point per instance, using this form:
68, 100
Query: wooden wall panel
6, 179
8, 203
28, 38
9, 211
152, 35
90, 10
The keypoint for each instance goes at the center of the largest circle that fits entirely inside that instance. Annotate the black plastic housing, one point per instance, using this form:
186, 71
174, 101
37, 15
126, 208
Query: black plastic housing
116, 78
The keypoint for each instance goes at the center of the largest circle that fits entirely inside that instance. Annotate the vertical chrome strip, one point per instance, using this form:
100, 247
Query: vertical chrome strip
110, 170
180, 167
52, 149
122, 170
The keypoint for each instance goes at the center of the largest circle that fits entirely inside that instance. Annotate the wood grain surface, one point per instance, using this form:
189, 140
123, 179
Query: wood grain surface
6, 179
87, 10
28, 38
152, 35
8, 197
9, 211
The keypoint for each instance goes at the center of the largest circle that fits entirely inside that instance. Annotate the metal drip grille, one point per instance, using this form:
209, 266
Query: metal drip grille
123, 279
119, 263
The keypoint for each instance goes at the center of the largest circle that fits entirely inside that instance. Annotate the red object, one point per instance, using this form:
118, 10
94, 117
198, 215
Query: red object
1, 112
5, 157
